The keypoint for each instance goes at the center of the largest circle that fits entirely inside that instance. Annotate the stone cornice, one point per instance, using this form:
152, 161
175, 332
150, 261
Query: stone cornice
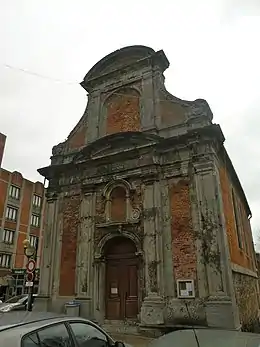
212, 132
242, 270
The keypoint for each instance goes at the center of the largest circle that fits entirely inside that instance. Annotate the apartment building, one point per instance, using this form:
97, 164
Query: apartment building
21, 217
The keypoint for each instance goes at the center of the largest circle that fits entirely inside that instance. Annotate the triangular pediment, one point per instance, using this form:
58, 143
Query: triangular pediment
115, 144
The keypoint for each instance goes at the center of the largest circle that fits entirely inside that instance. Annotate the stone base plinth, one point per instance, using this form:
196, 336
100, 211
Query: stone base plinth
152, 310
221, 314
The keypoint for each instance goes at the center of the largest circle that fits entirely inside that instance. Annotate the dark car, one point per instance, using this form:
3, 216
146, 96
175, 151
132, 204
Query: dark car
15, 303
46, 329
207, 338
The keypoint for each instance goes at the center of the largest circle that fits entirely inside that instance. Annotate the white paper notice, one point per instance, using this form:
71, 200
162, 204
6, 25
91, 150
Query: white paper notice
184, 293
114, 291
189, 287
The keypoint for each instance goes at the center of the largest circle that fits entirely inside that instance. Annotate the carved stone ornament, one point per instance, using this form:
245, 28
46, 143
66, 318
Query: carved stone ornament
57, 150
135, 214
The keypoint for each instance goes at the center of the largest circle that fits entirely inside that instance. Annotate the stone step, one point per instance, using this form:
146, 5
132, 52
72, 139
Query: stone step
121, 327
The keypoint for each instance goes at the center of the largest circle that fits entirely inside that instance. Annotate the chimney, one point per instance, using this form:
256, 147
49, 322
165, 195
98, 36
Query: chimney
2, 147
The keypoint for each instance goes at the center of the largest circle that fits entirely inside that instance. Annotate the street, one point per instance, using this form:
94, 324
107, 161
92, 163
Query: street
133, 340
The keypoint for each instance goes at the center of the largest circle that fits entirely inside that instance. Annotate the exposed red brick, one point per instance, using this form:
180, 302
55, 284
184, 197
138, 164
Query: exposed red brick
4, 177
237, 255
38, 188
78, 139
19, 257
17, 178
123, 111
26, 203
2, 146
183, 239
171, 113
118, 204
71, 214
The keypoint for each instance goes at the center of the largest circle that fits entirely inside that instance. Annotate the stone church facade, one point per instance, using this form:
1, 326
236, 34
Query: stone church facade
140, 222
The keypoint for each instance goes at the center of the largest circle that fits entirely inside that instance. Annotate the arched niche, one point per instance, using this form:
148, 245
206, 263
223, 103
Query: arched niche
119, 247
106, 240
117, 201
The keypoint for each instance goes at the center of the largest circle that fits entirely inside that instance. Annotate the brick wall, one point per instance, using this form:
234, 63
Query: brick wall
183, 239
22, 226
118, 204
4, 178
171, 113
2, 147
123, 111
71, 214
241, 256
78, 138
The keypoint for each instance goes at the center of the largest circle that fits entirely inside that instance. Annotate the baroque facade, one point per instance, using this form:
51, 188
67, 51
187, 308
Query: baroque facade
140, 220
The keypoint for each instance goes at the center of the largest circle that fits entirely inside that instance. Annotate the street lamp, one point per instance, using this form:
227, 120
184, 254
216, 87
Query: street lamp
29, 252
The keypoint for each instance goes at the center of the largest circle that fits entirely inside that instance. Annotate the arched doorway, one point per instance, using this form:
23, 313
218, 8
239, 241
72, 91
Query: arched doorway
121, 294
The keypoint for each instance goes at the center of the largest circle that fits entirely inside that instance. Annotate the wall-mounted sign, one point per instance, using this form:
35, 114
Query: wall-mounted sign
30, 267
114, 291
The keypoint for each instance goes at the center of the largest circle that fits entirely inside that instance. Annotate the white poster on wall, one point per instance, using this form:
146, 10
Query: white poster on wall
114, 291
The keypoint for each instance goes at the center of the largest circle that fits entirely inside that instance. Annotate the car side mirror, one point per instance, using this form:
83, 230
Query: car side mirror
119, 344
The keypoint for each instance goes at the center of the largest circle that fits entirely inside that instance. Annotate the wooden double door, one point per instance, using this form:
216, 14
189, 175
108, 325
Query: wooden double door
122, 281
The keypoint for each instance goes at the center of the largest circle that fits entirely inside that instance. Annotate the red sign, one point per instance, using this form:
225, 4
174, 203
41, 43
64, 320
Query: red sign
29, 277
31, 265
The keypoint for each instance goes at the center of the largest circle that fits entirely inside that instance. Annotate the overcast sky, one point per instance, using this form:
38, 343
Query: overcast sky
212, 46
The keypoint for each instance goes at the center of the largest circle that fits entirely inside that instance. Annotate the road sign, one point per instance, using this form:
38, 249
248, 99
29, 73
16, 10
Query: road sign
28, 284
29, 277
30, 267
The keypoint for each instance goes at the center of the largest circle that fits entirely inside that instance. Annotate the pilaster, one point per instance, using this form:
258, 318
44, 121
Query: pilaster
84, 278
214, 263
94, 124
167, 263
152, 310
49, 247
147, 101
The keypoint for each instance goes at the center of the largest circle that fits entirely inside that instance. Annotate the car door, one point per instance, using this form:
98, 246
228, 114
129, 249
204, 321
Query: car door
56, 335
87, 335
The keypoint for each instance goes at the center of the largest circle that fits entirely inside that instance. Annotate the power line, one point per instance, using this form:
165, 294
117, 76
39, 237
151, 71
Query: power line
38, 75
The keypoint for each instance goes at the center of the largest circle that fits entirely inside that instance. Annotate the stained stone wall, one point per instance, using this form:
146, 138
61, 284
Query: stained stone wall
71, 218
247, 297
187, 312
164, 152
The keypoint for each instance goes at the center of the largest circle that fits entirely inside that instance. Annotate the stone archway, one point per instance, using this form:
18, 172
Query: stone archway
121, 279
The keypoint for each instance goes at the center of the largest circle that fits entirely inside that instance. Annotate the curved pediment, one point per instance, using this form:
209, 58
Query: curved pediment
117, 60
116, 143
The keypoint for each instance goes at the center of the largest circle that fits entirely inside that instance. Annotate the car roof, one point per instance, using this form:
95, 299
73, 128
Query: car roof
25, 319
208, 337
15, 325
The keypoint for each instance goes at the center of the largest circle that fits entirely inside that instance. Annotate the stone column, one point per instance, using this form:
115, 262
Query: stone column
166, 260
84, 278
99, 289
153, 305
56, 255
221, 309
49, 245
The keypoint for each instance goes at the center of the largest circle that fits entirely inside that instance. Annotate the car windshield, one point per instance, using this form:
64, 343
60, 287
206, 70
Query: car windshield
15, 299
